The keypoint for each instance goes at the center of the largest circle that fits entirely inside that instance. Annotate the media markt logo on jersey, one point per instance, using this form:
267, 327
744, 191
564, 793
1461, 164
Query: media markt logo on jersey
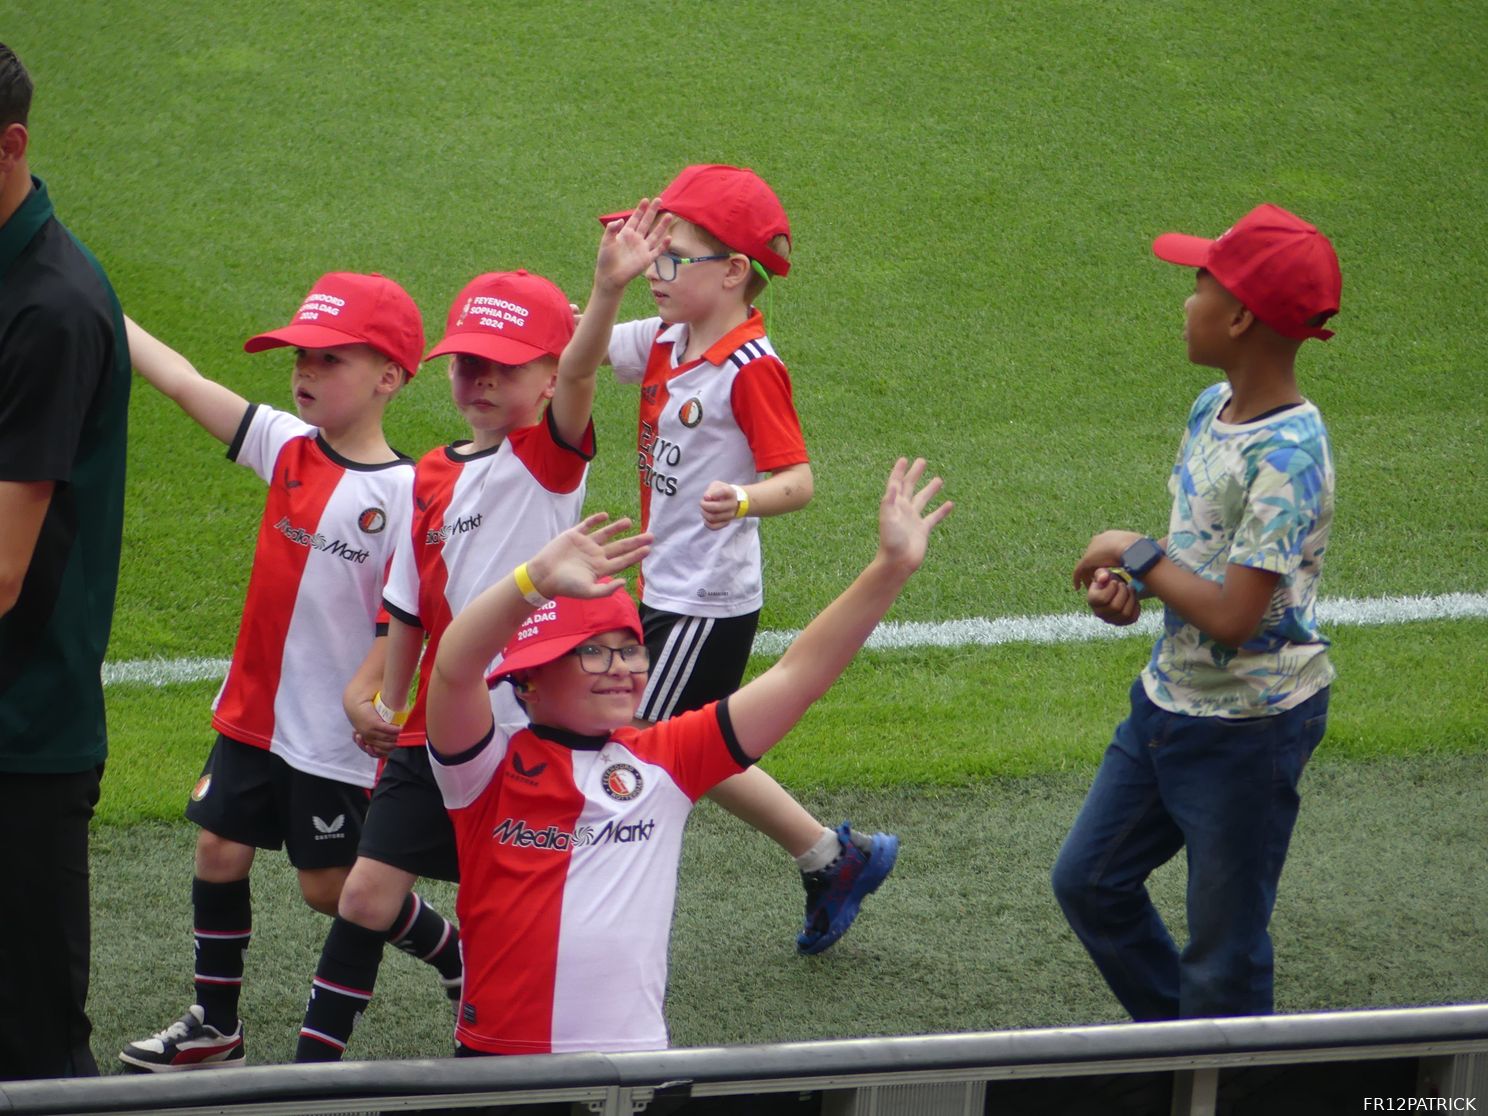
329, 830
340, 548
519, 834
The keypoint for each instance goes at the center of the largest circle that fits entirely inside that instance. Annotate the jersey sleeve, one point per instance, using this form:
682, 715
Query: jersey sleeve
1282, 504
400, 523
765, 411
400, 593
630, 346
557, 466
52, 365
697, 748
262, 434
461, 778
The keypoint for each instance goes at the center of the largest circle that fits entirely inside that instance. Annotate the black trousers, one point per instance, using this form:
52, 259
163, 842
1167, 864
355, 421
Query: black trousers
44, 927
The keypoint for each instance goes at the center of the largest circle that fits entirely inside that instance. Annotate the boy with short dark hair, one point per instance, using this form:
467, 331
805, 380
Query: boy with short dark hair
1235, 697
570, 827
720, 446
285, 770
480, 506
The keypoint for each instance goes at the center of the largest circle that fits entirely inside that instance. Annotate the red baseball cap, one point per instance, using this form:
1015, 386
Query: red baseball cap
562, 624
507, 316
345, 308
734, 204
1282, 269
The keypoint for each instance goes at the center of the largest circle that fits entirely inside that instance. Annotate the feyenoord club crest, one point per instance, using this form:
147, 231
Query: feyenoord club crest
372, 520
691, 413
199, 791
621, 782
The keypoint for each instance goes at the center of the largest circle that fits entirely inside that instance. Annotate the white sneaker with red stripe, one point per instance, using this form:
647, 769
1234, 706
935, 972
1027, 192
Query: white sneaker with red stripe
186, 1044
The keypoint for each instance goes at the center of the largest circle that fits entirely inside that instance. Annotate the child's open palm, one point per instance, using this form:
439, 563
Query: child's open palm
580, 561
903, 524
630, 245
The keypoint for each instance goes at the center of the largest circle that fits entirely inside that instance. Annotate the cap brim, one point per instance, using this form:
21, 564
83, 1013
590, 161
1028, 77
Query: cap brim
536, 654
608, 217
503, 350
302, 336
1181, 249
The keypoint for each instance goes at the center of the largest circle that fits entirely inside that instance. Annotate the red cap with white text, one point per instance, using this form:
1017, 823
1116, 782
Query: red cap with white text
511, 317
347, 308
563, 623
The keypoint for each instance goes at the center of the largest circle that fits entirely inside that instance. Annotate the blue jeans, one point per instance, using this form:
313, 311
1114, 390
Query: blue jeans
1227, 791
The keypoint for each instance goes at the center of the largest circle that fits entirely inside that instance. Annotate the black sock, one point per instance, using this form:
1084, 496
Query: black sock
341, 991
224, 924
422, 932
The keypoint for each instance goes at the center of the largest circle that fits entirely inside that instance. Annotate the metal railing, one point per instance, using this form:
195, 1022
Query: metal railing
851, 1076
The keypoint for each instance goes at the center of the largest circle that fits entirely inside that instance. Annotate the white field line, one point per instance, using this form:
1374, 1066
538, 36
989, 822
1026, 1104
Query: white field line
1341, 612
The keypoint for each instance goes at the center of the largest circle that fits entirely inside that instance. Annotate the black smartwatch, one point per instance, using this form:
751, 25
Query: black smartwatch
1140, 557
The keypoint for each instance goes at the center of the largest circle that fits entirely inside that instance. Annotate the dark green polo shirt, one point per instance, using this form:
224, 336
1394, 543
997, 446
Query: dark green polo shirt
64, 403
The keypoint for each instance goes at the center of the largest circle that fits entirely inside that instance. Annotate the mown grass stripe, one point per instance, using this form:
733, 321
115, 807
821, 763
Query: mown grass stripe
1342, 612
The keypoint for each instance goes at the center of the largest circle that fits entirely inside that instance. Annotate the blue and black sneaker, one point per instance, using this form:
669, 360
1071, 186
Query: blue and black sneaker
834, 893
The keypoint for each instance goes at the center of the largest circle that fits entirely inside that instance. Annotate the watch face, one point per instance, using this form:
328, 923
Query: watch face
1140, 557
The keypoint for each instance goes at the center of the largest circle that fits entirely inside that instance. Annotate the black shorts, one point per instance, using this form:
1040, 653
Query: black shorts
694, 660
407, 825
249, 795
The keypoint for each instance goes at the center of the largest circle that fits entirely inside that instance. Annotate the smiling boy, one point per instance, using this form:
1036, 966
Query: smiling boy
570, 828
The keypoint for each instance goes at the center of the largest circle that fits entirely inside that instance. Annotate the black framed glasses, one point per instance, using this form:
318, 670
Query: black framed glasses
595, 659
667, 263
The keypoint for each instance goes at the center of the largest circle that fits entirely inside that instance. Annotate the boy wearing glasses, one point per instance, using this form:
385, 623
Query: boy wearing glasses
570, 827
479, 507
720, 446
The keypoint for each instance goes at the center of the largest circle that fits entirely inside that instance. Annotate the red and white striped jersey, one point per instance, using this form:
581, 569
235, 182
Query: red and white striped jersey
324, 545
726, 416
476, 517
568, 852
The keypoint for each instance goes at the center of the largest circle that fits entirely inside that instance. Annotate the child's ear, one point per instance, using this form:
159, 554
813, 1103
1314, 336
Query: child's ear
1241, 320
736, 273
392, 378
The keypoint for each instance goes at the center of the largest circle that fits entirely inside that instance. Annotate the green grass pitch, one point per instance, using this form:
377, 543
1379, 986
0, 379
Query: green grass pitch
973, 188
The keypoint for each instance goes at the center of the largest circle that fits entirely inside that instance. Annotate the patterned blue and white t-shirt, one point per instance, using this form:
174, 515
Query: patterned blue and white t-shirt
1256, 494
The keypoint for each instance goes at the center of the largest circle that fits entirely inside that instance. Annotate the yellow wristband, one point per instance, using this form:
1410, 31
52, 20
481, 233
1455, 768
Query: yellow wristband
743, 497
397, 717
526, 587
1119, 574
